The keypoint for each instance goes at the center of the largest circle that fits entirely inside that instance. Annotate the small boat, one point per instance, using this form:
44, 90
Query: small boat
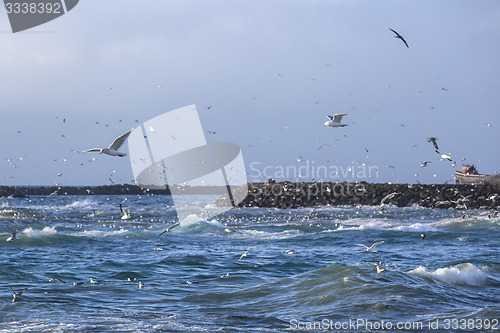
469, 175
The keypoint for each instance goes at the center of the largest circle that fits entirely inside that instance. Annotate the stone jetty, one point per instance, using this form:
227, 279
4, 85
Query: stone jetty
295, 195
308, 194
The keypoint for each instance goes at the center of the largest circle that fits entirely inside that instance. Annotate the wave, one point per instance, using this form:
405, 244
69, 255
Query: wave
462, 274
99, 233
33, 233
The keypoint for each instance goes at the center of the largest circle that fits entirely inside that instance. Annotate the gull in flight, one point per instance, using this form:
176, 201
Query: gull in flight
334, 121
400, 37
112, 150
243, 255
17, 296
170, 228
433, 140
12, 237
463, 239
424, 164
125, 215
443, 156
388, 196
371, 248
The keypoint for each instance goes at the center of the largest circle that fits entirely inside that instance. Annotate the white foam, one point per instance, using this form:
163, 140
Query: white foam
462, 274
415, 227
85, 203
271, 235
99, 233
46, 231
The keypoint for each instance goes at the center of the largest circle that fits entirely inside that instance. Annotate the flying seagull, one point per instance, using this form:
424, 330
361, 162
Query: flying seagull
400, 37
463, 239
125, 215
433, 140
334, 121
112, 150
243, 255
444, 156
388, 196
169, 228
17, 296
371, 248
424, 164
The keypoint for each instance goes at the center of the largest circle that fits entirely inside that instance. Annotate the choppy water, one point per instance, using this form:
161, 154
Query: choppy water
328, 284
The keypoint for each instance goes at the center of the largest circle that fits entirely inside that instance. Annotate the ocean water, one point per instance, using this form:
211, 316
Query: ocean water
193, 282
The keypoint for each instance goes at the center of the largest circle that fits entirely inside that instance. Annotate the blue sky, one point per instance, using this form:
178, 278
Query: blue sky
270, 70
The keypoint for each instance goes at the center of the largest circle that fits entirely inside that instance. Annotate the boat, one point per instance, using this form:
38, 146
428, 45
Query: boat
469, 175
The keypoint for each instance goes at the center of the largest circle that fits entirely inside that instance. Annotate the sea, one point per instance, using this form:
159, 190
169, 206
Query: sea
247, 270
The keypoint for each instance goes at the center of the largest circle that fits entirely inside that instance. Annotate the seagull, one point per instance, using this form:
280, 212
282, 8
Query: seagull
433, 140
169, 228
17, 296
424, 164
422, 235
141, 284
334, 121
51, 279
125, 215
444, 156
112, 150
388, 196
371, 248
94, 281
379, 269
12, 237
224, 276
324, 145
290, 252
243, 255
400, 37
463, 239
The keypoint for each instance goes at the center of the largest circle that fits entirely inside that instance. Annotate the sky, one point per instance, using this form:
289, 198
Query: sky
270, 71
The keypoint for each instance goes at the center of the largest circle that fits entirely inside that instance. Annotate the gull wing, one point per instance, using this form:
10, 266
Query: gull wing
91, 150
338, 117
395, 32
376, 244
119, 141
123, 210
329, 117
433, 140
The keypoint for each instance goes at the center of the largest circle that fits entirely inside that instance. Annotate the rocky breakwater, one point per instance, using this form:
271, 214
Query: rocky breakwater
296, 195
